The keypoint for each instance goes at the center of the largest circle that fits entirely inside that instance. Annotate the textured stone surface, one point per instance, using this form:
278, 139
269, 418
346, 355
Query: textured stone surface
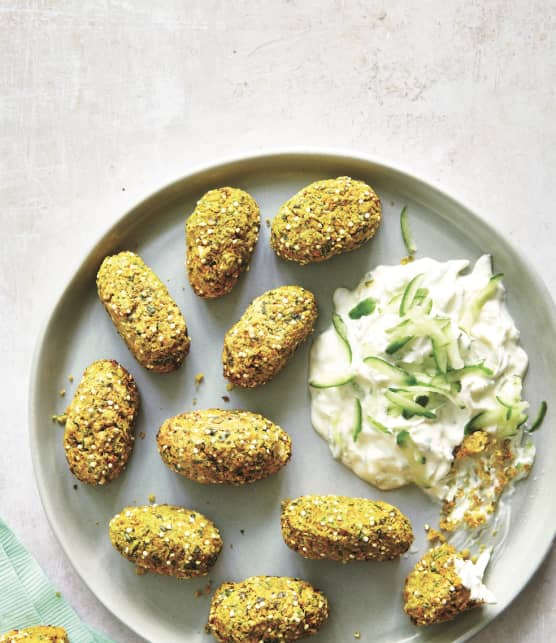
103, 102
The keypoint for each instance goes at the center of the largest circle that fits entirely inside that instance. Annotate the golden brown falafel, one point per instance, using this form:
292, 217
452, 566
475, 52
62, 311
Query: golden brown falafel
216, 446
220, 236
345, 529
98, 437
260, 344
143, 312
266, 609
324, 219
36, 634
167, 540
434, 591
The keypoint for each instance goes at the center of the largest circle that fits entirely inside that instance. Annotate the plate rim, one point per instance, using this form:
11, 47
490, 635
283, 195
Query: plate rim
333, 154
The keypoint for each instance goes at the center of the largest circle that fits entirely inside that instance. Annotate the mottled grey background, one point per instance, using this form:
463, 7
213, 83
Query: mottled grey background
103, 102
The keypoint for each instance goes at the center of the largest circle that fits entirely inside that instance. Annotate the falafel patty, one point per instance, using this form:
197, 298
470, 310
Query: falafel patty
220, 236
143, 312
434, 591
216, 446
167, 540
36, 634
98, 437
324, 219
260, 344
345, 529
266, 609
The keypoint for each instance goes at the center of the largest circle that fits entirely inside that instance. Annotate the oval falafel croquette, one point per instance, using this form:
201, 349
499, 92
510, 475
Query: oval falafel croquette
220, 236
215, 446
143, 311
260, 344
345, 529
324, 219
99, 431
266, 609
36, 634
434, 591
166, 540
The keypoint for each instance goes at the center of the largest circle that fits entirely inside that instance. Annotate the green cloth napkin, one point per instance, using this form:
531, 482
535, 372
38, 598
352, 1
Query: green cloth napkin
27, 598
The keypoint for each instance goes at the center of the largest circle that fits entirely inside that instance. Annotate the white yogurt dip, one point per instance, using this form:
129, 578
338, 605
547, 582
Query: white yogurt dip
419, 356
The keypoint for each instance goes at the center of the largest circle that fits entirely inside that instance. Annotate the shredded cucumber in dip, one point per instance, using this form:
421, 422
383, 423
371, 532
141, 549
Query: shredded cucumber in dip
419, 380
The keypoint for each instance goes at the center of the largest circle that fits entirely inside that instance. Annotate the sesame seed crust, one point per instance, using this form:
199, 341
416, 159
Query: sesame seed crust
434, 592
99, 432
143, 312
266, 609
220, 237
166, 540
214, 446
324, 219
260, 344
36, 634
345, 529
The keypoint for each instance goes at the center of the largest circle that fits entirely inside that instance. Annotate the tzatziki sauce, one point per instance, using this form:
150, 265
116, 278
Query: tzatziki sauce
418, 357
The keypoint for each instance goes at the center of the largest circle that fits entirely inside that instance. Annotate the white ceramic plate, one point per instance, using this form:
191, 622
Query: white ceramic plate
364, 597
